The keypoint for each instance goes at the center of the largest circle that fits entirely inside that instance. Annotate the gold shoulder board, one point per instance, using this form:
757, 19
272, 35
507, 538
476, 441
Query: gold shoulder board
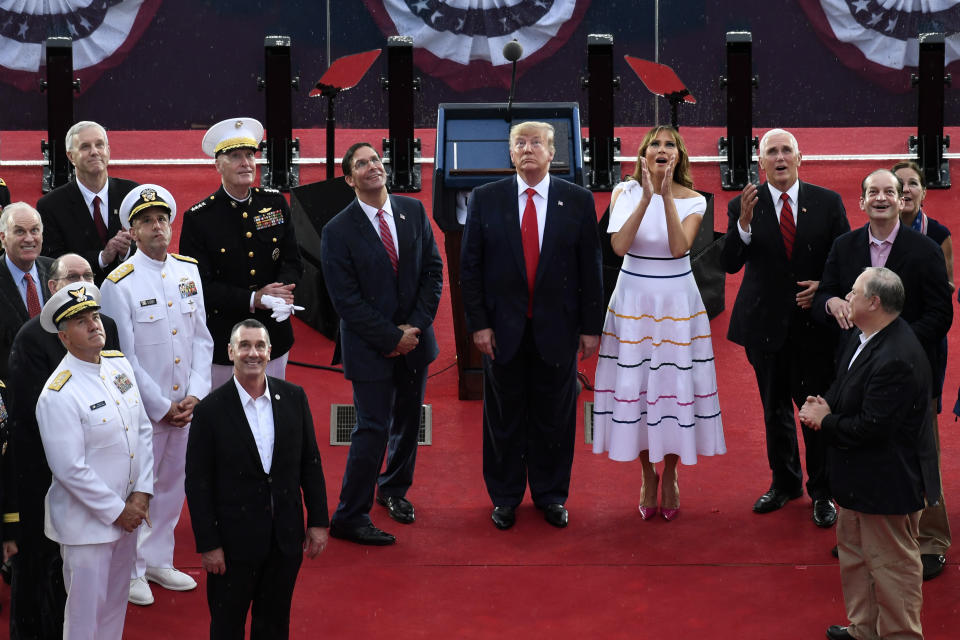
177, 256
120, 272
60, 380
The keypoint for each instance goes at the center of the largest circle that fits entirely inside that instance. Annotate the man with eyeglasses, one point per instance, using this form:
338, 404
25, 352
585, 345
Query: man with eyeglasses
157, 299
243, 239
533, 296
37, 592
384, 275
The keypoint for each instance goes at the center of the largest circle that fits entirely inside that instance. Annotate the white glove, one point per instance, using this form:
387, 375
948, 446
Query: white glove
280, 310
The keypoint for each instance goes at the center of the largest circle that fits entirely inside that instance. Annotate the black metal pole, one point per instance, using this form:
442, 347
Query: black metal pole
331, 130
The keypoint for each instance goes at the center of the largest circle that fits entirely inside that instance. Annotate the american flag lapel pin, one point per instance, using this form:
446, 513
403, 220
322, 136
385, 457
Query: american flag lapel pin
403, 217
559, 203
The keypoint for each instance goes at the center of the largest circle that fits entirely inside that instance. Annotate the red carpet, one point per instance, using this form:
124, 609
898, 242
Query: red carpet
717, 572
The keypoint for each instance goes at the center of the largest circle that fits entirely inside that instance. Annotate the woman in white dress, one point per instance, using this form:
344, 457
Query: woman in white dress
656, 388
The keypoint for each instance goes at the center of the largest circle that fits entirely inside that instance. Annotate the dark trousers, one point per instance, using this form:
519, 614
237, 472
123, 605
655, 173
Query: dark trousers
37, 595
785, 378
388, 420
268, 587
529, 426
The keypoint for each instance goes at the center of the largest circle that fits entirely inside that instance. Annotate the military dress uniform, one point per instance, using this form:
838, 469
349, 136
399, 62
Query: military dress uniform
97, 438
241, 247
162, 327
4, 194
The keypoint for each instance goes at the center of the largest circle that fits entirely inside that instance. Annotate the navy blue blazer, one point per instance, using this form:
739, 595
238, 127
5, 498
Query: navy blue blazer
765, 313
568, 290
918, 260
370, 299
881, 456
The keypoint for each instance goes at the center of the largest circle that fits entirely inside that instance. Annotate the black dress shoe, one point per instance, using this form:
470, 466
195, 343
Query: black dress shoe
556, 514
504, 517
399, 508
836, 632
932, 564
824, 513
774, 499
366, 534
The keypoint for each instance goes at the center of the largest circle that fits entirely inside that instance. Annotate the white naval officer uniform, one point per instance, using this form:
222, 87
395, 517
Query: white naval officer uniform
158, 308
97, 440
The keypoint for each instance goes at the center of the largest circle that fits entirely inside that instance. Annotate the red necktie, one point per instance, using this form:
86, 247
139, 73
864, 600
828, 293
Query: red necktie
530, 237
787, 226
98, 221
33, 300
387, 238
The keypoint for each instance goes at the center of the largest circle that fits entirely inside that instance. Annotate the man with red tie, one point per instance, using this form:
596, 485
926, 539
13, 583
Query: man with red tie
533, 296
384, 275
781, 233
23, 273
81, 216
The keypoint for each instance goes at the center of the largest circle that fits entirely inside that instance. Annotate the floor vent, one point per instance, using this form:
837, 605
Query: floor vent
343, 417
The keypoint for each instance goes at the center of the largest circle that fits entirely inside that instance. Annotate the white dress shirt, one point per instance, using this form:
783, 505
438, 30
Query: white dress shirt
792, 194
371, 213
259, 412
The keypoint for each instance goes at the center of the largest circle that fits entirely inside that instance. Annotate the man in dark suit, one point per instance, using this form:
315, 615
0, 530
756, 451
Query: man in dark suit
881, 460
533, 296
928, 308
791, 355
252, 466
23, 273
81, 216
384, 275
37, 592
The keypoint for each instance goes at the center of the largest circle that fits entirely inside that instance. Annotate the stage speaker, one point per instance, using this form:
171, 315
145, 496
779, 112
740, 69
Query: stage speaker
312, 206
704, 260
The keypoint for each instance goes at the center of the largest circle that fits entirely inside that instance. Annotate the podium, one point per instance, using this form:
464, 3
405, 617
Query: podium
473, 148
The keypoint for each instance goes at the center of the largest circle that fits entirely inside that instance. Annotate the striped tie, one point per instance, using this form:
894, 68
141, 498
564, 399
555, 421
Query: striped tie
787, 226
387, 238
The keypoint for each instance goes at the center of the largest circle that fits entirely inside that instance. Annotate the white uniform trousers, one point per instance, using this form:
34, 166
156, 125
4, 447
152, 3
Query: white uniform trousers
97, 581
155, 544
276, 368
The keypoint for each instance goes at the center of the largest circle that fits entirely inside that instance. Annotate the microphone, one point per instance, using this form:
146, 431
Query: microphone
512, 51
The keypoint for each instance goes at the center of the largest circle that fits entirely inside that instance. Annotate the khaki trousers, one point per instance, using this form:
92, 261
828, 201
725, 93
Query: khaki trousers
881, 574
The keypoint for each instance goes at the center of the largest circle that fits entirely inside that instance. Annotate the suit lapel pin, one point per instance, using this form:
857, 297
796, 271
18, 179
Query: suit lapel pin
276, 396
403, 217
559, 203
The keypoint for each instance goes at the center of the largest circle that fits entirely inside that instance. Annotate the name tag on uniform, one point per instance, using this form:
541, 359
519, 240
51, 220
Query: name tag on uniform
98, 405
147, 303
122, 382
187, 288
268, 218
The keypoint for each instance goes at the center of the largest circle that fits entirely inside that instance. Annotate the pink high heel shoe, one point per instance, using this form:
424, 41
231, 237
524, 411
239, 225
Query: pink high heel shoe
646, 513
671, 513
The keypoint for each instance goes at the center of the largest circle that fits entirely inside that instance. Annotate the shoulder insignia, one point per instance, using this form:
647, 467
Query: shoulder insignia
177, 256
2, 183
269, 190
60, 380
199, 205
12, 517
2, 386
111, 353
120, 272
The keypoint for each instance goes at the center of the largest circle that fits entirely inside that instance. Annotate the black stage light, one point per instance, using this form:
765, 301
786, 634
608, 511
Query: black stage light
603, 173
930, 144
401, 149
280, 150
738, 168
59, 86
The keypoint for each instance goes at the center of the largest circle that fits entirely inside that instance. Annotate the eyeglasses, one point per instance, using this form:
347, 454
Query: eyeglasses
76, 277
